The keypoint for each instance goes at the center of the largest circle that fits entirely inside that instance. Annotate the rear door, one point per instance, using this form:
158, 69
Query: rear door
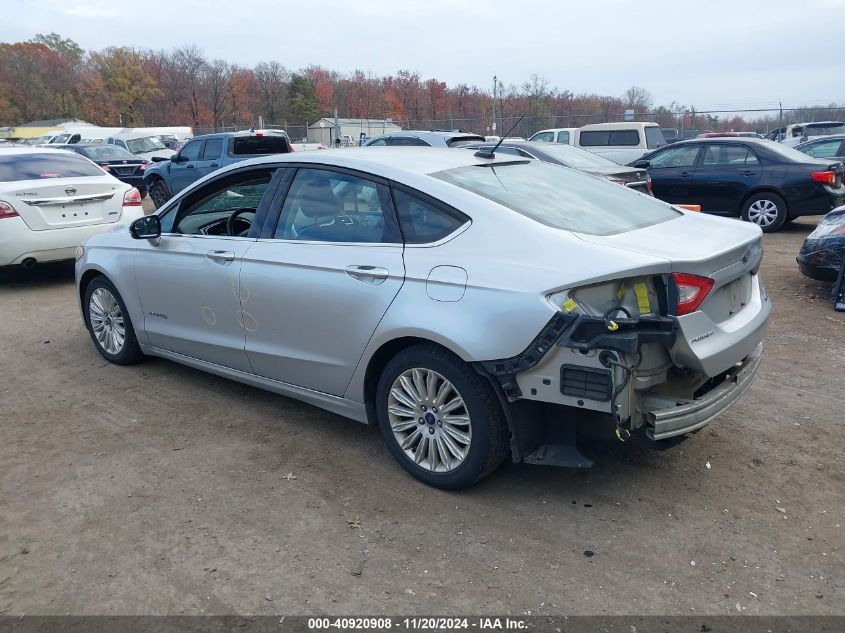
316, 286
188, 280
183, 170
672, 173
725, 173
209, 160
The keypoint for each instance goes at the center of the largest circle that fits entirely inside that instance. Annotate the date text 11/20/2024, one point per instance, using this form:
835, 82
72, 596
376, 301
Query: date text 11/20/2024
418, 623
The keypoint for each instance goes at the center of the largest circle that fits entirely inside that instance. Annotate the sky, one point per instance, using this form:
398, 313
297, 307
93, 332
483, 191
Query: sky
712, 54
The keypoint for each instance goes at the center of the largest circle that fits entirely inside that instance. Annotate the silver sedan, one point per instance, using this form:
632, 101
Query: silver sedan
469, 306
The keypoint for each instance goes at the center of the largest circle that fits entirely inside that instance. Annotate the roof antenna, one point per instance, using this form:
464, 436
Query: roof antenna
490, 153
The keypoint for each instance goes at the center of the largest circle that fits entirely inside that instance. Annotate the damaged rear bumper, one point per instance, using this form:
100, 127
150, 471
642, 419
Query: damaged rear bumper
669, 421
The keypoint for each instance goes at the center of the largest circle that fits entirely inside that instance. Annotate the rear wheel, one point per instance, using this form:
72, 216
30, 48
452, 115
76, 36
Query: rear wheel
441, 421
159, 193
109, 323
766, 210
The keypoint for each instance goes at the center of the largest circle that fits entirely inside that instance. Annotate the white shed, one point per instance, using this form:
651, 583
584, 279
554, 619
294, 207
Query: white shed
324, 131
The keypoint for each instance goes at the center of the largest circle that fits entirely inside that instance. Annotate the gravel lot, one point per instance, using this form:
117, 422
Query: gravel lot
160, 489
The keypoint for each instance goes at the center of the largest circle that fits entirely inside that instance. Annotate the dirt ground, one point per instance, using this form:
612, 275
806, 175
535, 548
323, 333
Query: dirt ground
157, 489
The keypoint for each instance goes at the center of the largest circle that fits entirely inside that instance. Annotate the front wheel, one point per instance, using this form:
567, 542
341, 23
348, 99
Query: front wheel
109, 323
441, 421
159, 193
766, 210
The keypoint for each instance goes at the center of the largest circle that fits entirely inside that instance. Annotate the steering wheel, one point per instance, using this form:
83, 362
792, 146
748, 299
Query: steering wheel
230, 223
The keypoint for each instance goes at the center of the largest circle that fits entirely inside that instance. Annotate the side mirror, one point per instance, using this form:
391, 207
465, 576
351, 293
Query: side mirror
146, 228
158, 159
642, 164
178, 158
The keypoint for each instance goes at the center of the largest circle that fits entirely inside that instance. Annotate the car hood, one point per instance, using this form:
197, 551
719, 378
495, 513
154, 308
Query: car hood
159, 153
693, 243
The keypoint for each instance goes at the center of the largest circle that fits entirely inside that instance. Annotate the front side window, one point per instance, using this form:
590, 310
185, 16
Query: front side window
208, 210
328, 206
825, 149
683, 156
559, 197
563, 137
729, 156
421, 221
543, 137
191, 151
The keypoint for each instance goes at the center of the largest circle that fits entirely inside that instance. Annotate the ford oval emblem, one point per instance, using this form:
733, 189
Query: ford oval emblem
70, 190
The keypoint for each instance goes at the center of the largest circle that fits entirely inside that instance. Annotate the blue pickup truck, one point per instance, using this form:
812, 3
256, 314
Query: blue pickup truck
204, 154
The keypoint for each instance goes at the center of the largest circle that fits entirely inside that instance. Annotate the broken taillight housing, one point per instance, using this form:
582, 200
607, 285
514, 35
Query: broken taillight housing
692, 291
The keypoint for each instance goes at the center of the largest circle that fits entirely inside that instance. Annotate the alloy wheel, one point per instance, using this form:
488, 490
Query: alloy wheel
429, 420
107, 321
763, 212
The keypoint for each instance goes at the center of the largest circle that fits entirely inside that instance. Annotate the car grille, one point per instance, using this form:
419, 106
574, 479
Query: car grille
585, 382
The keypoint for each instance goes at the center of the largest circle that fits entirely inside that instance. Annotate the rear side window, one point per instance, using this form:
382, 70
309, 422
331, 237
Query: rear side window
43, 166
422, 222
406, 141
729, 156
597, 138
543, 137
559, 197
654, 137
260, 145
213, 147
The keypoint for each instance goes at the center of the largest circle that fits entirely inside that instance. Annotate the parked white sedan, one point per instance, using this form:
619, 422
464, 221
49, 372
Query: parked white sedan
51, 201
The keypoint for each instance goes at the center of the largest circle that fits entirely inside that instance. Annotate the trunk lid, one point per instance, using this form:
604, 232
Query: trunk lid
57, 203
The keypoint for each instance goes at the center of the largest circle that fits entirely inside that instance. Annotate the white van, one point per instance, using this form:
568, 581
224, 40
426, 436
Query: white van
620, 142
143, 144
565, 135
800, 132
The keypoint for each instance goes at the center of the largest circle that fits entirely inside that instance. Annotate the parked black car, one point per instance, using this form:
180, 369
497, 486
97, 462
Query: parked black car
825, 147
761, 181
574, 157
821, 253
120, 163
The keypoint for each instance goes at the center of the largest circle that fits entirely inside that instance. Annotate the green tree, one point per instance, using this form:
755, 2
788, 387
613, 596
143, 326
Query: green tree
302, 100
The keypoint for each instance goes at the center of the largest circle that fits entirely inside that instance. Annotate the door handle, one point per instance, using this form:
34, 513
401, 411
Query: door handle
189, 166
221, 256
368, 274
214, 165
685, 174
749, 173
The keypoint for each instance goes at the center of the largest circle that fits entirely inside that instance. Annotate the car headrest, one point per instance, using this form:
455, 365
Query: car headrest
316, 198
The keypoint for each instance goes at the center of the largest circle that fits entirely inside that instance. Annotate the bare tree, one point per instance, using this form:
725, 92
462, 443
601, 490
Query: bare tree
637, 99
272, 80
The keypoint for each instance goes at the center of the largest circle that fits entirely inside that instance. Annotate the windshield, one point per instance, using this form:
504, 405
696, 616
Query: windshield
47, 165
42, 139
146, 144
107, 152
560, 197
575, 157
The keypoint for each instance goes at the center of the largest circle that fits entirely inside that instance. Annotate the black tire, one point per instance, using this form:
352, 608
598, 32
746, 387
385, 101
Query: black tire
755, 210
130, 352
159, 193
489, 433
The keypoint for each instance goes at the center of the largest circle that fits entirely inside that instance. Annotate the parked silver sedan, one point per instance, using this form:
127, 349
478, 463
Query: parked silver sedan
469, 306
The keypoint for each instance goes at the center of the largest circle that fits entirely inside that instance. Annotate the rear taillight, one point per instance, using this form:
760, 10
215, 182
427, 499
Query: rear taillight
648, 183
105, 167
7, 210
824, 177
132, 198
692, 291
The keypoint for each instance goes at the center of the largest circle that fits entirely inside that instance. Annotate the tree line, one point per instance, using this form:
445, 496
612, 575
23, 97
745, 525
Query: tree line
53, 77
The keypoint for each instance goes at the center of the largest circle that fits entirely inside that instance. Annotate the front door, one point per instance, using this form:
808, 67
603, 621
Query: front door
313, 294
189, 281
726, 172
672, 172
183, 170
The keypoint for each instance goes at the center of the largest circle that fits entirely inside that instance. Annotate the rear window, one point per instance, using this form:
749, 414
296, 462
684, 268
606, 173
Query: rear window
42, 166
458, 140
106, 152
560, 197
258, 145
597, 138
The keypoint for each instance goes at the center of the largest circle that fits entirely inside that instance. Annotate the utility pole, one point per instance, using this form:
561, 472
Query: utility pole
780, 119
494, 104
